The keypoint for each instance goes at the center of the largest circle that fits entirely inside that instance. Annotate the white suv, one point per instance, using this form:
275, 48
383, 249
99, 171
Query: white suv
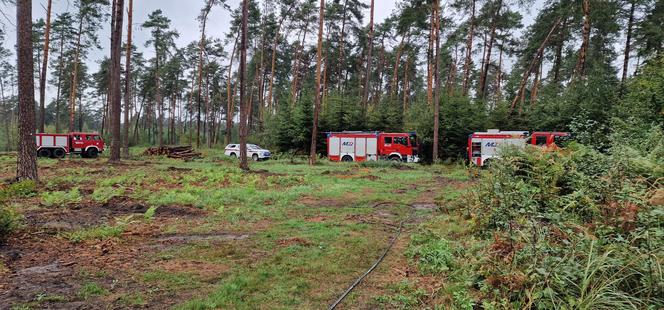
254, 152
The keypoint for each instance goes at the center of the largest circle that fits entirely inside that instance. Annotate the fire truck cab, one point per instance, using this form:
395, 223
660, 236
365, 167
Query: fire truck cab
371, 146
545, 138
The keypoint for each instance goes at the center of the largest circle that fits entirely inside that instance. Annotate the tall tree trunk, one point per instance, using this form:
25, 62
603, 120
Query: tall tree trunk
201, 48
296, 67
558, 59
244, 164
580, 69
536, 85
397, 59
367, 81
469, 51
128, 79
230, 94
26, 168
342, 52
628, 42
44, 68
275, 43
487, 60
430, 57
319, 59
406, 86
57, 94
116, 94
158, 97
74, 80
499, 75
537, 57
436, 103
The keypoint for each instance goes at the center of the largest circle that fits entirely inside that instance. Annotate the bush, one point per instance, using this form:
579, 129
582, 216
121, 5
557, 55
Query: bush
433, 255
8, 223
59, 198
572, 229
18, 190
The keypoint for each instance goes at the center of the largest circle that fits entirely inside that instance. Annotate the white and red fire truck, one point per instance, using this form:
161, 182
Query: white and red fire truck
88, 145
485, 146
371, 146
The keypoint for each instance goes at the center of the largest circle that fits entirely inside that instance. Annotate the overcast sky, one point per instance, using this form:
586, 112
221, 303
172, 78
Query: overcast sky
183, 15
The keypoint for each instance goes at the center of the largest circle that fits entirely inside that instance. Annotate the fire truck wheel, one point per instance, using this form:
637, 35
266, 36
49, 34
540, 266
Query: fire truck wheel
347, 158
395, 158
92, 153
254, 157
44, 153
59, 153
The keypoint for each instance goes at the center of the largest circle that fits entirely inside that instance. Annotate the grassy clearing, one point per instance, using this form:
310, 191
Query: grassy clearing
311, 230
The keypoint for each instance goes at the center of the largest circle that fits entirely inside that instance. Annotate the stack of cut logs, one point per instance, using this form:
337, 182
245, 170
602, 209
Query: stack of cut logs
180, 152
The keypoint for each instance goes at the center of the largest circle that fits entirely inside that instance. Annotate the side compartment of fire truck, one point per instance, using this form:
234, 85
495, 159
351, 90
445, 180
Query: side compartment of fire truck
52, 145
353, 147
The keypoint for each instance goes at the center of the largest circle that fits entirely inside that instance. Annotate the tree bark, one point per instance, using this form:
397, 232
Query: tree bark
367, 78
430, 57
628, 42
469, 51
57, 94
201, 48
274, 60
26, 168
534, 62
115, 93
580, 69
230, 107
128, 77
436, 103
44, 68
244, 165
395, 75
74, 82
487, 60
319, 59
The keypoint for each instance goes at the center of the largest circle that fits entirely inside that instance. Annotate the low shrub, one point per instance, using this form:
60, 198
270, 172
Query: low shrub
59, 198
433, 255
571, 229
8, 223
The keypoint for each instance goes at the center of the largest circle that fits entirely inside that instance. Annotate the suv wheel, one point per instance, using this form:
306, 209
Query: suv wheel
233, 155
254, 157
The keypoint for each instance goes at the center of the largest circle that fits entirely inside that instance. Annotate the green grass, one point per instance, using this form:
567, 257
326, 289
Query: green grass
96, 233
91, 289
312, 229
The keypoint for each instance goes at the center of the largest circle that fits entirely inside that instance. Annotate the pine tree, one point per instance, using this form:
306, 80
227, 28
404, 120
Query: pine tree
27, 152
115, 93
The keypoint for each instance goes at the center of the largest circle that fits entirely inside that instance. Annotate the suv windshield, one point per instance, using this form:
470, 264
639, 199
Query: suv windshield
253, 147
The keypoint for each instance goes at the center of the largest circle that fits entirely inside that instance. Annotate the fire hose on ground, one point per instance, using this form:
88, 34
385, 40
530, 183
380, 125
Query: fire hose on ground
378, 261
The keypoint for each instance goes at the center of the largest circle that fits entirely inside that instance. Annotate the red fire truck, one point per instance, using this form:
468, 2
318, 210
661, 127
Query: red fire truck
88, 145
371, 146
484, 146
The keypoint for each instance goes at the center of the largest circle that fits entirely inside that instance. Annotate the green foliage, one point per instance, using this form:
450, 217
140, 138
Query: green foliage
91, 289
96, 233
575, 226
61, 198
8, 222
18, 190
433, 255
403, 294
104, 194
149, 213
